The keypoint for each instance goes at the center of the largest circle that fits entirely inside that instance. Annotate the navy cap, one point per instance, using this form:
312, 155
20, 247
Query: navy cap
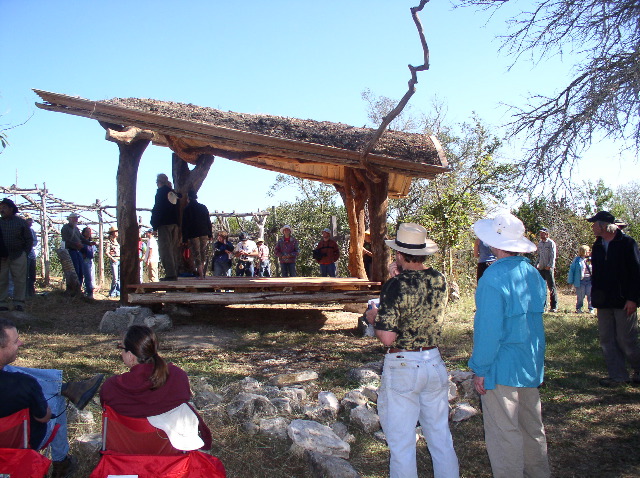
604, 216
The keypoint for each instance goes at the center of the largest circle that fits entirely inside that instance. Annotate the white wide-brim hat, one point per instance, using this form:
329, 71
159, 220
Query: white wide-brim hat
286, 227
505, 231
412, 239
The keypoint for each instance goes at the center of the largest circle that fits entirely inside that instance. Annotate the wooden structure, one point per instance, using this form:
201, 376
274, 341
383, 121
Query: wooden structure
255, 290
321, 151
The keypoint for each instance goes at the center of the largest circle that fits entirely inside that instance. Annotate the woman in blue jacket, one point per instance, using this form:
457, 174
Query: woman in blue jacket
580, 278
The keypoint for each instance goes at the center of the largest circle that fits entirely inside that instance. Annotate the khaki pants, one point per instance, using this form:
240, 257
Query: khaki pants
514, 433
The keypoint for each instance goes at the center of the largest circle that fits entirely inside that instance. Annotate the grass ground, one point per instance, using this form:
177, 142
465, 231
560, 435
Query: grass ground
592, 431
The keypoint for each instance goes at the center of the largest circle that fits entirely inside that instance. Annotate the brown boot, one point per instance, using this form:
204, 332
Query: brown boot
79, 393
64, 468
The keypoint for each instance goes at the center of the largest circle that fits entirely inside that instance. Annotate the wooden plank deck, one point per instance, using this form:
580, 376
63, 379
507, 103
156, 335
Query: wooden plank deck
255, 290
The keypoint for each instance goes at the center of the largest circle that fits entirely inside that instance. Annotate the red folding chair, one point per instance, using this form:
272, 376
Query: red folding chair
16, 458
132, 446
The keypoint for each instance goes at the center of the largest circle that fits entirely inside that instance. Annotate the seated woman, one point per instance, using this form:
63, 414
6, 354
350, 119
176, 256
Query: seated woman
151, 387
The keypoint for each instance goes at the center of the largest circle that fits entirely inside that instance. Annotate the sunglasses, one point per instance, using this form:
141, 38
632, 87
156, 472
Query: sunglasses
120, 347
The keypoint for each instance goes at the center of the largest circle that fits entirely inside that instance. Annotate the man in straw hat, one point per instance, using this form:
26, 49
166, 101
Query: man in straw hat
508, 351
72, 238
15, 243
414, 378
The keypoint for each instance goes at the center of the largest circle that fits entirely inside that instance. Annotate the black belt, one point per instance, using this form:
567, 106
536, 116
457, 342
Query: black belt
392, 350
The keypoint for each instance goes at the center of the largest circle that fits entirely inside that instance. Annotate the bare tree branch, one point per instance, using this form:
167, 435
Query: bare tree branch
603, 98
412, 82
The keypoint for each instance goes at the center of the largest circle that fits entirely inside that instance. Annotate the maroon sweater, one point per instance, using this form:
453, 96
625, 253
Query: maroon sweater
130, 394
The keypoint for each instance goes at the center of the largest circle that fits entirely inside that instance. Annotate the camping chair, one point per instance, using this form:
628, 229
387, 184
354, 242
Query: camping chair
132, 446
16, 458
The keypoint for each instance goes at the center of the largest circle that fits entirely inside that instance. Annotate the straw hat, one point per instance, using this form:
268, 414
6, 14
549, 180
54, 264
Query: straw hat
505, 231
113, 229
286, 227
412, 239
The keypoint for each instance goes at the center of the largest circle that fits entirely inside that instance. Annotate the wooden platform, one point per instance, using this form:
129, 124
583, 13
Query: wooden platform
255, 290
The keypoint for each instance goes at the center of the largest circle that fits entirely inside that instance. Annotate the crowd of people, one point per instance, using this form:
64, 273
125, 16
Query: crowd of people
508, 338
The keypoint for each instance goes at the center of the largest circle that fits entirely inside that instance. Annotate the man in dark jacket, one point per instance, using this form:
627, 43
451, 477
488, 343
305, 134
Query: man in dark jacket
164, 220
615, 292
196, 231
16, 243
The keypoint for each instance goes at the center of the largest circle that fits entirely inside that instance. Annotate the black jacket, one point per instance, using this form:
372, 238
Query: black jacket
164, 213
616, 272
195, 221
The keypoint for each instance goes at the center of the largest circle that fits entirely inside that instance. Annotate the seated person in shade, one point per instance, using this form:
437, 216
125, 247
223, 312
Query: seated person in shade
151, 387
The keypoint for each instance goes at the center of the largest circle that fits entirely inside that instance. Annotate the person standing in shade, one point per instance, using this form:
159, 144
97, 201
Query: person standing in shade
88, 269
151, 257
287, 252
31, 259
580, 277
112, 251
197, 231
485, 257
327, 253
263, 258
73, 243
508, 351
415, 383
367, 254
245, 251
164, 220
222, 253
547, 264
615, 292
15, 243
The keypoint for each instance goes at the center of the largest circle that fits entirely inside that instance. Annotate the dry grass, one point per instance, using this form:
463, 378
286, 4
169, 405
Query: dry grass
592, 431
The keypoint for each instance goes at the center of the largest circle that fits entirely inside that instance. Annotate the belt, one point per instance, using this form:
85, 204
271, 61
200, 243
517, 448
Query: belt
392, 350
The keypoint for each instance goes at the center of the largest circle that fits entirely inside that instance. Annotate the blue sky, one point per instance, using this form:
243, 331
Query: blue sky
297, 59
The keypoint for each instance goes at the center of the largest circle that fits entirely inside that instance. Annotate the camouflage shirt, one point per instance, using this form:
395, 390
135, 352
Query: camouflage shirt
412, 305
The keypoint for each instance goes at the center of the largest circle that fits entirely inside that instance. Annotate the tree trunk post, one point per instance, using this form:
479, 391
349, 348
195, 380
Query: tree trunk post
378, 205
129, 234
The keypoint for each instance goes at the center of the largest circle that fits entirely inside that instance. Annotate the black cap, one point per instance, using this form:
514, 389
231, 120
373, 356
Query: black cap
604, 216
242, 236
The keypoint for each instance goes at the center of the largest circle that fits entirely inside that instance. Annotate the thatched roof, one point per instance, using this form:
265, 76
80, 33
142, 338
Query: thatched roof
317, 150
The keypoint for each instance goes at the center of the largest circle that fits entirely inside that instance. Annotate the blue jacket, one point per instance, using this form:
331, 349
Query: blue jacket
576, 271
508, 334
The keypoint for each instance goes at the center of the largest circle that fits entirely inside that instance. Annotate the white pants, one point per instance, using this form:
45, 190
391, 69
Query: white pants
415, 388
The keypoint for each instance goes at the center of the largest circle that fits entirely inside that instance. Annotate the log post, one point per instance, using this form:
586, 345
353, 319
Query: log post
378, 205
129, 235
353, 196
44, 236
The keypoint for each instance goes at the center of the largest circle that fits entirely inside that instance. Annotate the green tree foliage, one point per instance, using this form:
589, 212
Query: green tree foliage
596, 197
626, 207
308, 215
449, 204
568, 228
